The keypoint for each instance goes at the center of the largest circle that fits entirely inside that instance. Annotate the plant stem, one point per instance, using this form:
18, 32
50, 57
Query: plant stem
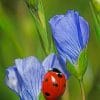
82, 89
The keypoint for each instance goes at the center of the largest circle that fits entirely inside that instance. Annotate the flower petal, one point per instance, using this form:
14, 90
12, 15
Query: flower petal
70, 33
29, 75
85, 30
12, 80
55, 61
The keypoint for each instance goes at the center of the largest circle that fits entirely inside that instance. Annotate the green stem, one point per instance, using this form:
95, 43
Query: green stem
82, 89
37, 12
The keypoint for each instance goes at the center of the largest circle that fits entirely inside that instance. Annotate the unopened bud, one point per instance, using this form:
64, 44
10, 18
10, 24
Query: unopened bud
32, 4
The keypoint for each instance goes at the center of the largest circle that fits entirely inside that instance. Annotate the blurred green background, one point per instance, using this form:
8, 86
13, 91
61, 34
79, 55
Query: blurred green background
19, 38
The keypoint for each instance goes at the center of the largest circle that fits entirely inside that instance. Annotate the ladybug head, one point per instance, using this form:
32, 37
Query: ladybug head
55, 70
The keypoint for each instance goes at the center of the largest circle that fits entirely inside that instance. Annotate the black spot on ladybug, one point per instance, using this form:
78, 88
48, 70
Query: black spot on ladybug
47, 94
56, 70
59, 75
64, 85
46, 80
55, 84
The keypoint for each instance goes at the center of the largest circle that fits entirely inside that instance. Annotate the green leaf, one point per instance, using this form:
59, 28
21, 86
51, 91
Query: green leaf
82, 63
79, 68
41, 97
71, 69
41, 14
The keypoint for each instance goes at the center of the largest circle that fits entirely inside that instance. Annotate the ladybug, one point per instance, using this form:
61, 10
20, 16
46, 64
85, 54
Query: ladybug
53, 84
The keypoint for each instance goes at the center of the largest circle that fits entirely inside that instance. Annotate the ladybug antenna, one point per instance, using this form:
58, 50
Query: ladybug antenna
56, 70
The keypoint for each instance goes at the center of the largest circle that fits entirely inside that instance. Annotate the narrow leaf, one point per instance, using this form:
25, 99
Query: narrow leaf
82, 63
71, 69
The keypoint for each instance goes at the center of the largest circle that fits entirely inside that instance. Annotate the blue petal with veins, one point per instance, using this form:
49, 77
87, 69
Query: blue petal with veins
25, 78
70, 33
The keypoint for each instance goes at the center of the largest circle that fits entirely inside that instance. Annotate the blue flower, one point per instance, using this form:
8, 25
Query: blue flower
25, 77
70, 33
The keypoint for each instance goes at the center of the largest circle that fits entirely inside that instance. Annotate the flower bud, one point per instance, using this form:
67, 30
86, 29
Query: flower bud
32, 4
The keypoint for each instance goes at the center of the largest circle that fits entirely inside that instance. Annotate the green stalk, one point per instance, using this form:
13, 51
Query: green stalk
38, 15
96, 19
82, 89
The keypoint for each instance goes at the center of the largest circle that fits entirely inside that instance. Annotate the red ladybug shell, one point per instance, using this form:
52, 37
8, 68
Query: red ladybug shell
53, 85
